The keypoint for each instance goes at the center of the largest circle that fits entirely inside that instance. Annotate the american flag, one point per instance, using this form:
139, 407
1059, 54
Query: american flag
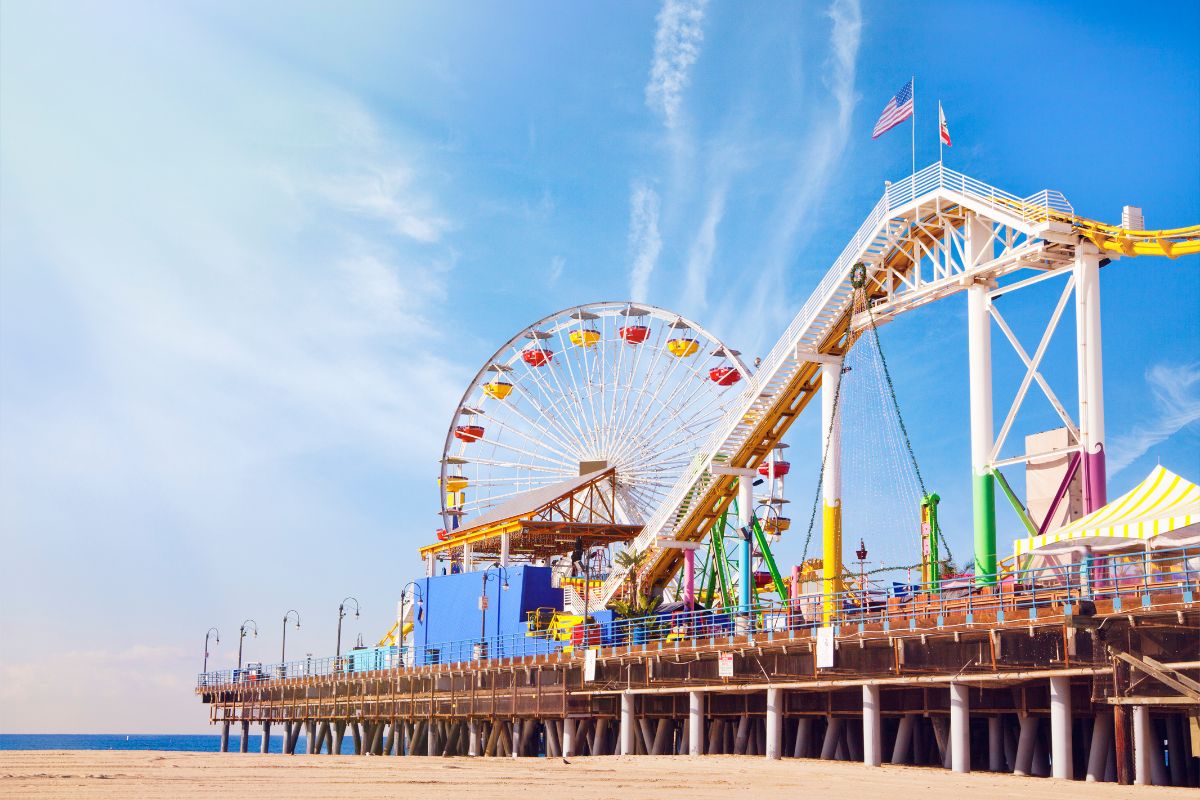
898, 109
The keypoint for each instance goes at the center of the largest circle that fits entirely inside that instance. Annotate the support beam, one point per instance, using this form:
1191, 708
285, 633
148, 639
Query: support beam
628, 723
831, 491
902, 749
1091, 376
1098, 753
245, 737
983, 486
995, 743
833, 735
568, 738
960, 727
265, 744
225, 737
774, 724
872, 727
803, 737
473, 737
1061, 761
1142, 746
695, 723
745, 559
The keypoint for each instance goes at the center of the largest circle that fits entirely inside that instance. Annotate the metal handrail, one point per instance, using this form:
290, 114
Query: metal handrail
1113, 577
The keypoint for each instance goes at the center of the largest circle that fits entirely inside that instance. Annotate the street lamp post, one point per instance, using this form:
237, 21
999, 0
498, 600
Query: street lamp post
483, 603
207, 634
283, 647
341, 616
242, 636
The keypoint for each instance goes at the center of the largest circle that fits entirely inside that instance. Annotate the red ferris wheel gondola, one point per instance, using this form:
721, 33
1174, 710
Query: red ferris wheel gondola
634, 334
537, 356
724, 376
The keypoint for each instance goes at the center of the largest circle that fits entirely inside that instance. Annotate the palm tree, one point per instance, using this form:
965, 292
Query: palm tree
631, 561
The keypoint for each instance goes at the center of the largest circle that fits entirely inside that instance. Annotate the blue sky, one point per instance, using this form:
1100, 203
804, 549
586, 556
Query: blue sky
250, 256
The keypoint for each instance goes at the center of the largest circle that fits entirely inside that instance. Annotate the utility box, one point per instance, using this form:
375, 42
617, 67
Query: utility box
1044, 477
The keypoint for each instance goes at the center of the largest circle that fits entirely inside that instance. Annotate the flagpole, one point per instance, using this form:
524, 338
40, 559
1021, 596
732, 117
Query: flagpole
914, 136
940, 114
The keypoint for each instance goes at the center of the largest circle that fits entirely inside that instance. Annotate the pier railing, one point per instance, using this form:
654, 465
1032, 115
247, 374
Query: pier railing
1127, 581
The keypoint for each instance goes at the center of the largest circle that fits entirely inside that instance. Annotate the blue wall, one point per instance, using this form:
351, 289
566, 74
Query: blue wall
452, 617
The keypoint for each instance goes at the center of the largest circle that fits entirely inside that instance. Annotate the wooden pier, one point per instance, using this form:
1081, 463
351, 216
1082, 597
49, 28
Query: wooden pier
1082, 690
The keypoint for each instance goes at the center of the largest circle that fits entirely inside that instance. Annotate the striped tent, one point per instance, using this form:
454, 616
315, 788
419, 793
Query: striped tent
1163, 510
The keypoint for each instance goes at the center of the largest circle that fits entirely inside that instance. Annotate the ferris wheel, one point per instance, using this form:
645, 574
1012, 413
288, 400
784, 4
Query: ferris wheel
617, 385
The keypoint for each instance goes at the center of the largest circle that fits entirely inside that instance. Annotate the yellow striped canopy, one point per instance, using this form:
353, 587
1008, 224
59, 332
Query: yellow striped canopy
1161, 504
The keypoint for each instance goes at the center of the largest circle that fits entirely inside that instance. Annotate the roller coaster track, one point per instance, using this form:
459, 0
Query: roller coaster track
908, 241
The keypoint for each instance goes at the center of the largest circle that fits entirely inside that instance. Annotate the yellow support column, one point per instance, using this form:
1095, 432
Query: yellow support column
831, 490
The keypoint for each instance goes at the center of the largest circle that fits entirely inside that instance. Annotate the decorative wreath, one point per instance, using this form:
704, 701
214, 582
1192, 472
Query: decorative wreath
858, 275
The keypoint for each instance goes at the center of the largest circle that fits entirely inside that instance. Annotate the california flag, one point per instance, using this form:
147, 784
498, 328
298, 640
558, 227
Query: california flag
943, 130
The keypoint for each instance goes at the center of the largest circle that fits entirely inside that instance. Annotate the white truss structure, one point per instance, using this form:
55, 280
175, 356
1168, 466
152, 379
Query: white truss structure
929, 236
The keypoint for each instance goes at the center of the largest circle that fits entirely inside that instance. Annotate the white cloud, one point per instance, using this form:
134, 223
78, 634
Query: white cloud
1176, 392
387, 194
676, 48
803, 191
556, 268
704, 248
645, 243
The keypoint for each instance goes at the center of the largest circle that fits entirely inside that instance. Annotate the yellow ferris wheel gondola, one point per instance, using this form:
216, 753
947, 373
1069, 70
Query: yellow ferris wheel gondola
585, 337
683, 348
498, 390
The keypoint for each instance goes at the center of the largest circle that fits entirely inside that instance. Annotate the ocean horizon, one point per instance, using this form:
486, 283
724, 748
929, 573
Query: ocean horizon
206, 743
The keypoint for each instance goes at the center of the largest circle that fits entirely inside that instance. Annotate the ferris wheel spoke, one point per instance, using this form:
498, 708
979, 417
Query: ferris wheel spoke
491, 462
523, 451
628, 413
538, 442
582, 351
693, 387
501, 481
551, 419
586, 429
567, 361
550, 395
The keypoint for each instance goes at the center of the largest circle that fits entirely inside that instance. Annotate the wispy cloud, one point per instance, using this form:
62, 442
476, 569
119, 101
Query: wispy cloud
704, 248
388, 195
818, 157
556, 268
645, 242
676, 48
1176, 392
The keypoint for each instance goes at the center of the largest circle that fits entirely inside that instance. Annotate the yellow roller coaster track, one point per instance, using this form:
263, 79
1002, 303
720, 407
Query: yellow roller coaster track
1170, 243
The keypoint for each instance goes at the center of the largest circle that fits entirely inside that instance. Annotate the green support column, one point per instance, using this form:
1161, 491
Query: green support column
984, 496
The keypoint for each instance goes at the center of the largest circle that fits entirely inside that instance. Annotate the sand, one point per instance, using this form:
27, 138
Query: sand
142, 775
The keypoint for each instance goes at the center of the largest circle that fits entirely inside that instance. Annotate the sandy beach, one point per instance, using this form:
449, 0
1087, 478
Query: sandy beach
143, 775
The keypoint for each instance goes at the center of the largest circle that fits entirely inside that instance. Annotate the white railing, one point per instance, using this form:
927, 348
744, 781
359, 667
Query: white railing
897, 195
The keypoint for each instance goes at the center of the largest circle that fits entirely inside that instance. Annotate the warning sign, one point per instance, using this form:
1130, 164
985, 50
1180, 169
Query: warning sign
725, 666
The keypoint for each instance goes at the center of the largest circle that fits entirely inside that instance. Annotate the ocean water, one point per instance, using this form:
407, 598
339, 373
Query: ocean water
208, 743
